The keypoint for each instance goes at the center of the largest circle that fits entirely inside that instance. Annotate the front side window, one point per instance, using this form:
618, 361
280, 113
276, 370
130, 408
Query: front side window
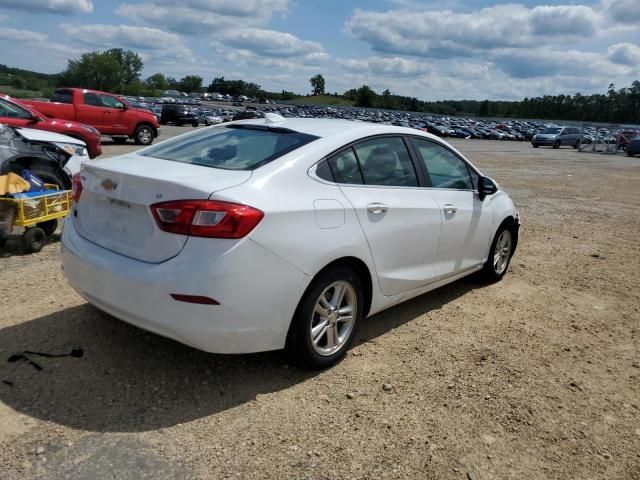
445, 168
386, 161
11, 110
110, 102
232, 147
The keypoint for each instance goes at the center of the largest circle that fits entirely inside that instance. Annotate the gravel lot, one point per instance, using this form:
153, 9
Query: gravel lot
536, 377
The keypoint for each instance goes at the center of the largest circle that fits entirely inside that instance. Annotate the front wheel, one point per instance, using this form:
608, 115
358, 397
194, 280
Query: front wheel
326, 320
535, 146
556, 144
144, 135
500, 254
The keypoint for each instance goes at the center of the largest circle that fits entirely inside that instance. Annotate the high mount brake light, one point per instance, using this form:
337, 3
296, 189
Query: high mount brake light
206, 218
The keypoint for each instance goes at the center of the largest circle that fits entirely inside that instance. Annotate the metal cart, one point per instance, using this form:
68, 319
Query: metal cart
37, 213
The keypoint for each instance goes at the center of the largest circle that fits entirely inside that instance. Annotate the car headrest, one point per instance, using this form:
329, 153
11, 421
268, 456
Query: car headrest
382, 161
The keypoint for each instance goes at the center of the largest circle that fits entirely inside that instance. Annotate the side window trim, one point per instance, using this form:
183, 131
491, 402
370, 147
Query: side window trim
424, 179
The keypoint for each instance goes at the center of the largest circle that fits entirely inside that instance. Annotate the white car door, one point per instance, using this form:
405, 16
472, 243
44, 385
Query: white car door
400, 219
467, 221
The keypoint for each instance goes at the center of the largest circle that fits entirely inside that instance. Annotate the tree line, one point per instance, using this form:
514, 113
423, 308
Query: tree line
120, 71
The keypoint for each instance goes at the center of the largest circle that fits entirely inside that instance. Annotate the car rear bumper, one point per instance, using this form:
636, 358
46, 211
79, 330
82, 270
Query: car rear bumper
258, 292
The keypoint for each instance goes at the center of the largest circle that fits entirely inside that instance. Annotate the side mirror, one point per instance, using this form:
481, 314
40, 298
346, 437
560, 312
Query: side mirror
34, 119
123, 107
486, 187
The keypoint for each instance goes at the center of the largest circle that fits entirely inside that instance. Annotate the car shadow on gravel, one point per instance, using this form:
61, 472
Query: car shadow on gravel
129, 380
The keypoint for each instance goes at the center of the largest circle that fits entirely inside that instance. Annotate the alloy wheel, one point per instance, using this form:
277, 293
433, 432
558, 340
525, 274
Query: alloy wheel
333, 318
502, 252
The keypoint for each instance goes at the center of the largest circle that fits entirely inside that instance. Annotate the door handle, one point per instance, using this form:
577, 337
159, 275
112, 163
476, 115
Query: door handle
448, 208
377, 208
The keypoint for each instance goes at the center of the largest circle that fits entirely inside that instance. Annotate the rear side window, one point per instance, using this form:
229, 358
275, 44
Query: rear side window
345, 169
386, 161
232, 147
62, 96
91, 99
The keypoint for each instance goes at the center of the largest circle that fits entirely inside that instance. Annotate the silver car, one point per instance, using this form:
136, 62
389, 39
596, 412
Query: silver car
557, 136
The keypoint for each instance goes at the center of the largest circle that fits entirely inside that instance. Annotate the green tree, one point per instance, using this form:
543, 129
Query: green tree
130, 63
365, 97
95, 70
190, 83
114, 70
157, 81
317, 84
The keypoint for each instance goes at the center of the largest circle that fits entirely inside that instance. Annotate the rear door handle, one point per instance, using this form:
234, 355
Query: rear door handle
377, 208
448, 208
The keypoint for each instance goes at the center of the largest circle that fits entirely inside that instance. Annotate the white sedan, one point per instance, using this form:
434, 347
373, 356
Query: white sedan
281, 233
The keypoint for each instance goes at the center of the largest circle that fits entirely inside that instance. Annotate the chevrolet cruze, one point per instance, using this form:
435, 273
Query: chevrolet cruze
281, 233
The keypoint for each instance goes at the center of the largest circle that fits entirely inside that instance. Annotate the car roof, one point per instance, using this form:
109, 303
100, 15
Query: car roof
327, 127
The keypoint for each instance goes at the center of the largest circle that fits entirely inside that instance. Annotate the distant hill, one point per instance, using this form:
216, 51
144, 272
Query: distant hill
25, 83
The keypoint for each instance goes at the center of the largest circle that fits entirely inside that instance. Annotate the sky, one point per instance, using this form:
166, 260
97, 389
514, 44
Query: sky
432, 50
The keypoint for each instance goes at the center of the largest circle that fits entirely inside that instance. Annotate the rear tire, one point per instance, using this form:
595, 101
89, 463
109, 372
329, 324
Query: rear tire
500, 254
144, 135
194, 124
535, 146
576, 145
33, 239
326, 320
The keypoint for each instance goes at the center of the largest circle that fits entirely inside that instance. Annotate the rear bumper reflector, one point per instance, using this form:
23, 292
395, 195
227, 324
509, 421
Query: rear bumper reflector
194, 299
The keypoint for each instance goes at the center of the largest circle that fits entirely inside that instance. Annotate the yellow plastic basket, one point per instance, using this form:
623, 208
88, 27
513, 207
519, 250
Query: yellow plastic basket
40, 208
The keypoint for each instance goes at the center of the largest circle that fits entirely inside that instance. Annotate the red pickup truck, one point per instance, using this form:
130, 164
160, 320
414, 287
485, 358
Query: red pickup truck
108, 113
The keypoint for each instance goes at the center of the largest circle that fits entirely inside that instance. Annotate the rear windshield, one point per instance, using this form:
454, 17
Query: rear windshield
232, 147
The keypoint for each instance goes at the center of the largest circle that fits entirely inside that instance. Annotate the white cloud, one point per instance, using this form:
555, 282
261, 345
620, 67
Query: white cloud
269, 43
388, 66
545, 62
62, 7
27, 36
625, 54
623, 11
152, 42
444, 33
192, 17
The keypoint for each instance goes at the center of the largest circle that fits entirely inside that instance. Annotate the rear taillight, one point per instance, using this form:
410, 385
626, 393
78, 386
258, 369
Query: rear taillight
76, 187
206, 218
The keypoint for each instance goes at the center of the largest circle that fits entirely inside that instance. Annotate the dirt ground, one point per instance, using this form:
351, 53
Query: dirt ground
537, 377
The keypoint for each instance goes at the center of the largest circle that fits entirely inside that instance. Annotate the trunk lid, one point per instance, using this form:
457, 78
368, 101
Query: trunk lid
114, 212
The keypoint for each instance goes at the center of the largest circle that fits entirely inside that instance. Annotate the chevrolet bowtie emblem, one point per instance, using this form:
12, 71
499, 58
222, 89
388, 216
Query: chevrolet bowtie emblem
108, 184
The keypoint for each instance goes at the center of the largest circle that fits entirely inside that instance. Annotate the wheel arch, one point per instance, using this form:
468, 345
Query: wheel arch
510, 221
361, 269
